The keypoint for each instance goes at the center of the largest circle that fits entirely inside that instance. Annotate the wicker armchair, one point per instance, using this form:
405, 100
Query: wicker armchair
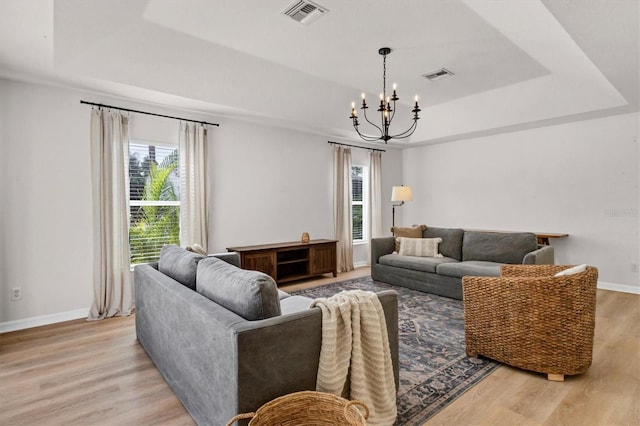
529, 319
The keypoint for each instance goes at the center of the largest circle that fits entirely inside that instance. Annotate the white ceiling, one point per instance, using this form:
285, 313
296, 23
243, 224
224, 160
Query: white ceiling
517, 63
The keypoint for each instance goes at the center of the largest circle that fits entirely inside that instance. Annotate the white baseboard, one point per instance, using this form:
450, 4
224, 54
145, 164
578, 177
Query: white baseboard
619, 287
41, 320
359, 264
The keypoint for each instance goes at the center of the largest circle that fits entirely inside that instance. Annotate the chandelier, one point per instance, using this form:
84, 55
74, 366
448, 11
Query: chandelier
387, 109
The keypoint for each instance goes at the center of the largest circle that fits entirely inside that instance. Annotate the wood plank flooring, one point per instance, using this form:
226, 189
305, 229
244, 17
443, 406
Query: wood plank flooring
95, 373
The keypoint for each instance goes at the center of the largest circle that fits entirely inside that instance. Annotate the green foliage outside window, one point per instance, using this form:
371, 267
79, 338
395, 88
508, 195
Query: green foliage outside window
158, 223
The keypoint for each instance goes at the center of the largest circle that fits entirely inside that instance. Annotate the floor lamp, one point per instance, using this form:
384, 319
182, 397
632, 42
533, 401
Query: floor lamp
399, 194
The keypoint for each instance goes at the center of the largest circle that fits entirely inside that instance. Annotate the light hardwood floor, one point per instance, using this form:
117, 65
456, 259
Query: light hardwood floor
81, 372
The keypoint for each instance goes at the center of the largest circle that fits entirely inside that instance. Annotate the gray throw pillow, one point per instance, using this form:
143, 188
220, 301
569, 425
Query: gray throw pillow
251, 294
179, 264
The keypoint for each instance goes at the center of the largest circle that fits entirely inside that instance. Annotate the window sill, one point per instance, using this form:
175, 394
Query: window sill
360, 242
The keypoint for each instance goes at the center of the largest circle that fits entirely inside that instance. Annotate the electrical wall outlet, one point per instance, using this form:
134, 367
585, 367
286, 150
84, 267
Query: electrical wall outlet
16, 293
634, 267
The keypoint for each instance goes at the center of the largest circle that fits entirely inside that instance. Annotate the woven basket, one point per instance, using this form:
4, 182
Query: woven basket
307, 408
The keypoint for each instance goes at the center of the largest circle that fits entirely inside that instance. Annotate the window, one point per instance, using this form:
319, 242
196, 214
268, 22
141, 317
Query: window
359, 210
154, 200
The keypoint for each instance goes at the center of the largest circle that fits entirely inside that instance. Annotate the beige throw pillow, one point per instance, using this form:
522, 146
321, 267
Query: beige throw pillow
571, 271
413, 232
421, 247
197, 248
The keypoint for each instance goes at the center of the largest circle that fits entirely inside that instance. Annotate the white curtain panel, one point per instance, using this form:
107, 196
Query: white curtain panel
375, 194
112, 283
194, 194
343, 222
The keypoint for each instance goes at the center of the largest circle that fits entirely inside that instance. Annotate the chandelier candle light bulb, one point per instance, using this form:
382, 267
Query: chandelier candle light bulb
387, 112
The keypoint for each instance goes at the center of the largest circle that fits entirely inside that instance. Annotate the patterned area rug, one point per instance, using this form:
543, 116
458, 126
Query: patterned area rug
434, 369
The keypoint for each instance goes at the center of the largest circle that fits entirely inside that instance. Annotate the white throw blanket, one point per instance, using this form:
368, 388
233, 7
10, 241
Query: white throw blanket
355, 359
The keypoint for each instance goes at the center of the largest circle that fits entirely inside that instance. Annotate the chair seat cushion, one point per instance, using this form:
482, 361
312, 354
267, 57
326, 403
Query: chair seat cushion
251, 294
425, 264
470, 268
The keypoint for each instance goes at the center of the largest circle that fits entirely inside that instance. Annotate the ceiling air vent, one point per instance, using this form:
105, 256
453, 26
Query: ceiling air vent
304, 11
437, 75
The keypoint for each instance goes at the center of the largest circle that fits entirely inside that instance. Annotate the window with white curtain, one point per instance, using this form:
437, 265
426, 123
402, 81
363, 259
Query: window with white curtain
359, 203
154, 199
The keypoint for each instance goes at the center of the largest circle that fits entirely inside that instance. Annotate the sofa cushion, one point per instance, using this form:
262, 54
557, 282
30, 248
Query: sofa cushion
422, 247
179, 264
470, 268
451, 245
498, 247
424, 264
251, 294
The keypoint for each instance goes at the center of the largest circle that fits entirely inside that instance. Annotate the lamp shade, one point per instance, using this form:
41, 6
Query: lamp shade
401, 193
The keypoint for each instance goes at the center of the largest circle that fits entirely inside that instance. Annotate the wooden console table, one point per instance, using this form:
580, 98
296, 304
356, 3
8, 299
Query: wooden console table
290, 261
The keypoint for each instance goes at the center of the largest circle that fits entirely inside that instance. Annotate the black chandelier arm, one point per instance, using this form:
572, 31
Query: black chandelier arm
366, 137
407, 132
411, 129
369, 121
393, 112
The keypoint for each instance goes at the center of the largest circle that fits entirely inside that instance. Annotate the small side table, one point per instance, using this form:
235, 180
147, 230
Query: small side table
543, 238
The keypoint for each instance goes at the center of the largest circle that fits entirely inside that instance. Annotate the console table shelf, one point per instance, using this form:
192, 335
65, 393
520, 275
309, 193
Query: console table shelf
290, 261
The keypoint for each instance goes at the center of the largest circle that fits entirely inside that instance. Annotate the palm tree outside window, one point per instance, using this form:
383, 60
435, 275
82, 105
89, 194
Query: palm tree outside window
154, 199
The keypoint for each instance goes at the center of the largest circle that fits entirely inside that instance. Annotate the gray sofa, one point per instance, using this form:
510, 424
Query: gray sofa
464, 253
217, 362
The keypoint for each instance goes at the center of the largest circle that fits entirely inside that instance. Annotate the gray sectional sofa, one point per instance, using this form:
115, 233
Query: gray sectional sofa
464, 253
227, 340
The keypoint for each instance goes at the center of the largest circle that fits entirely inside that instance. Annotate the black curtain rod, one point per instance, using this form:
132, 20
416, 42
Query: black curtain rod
147, 113
355, 146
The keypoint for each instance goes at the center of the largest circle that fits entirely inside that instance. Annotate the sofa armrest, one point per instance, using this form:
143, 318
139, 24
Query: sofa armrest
543, 256
380, 247
281, 354
232, 258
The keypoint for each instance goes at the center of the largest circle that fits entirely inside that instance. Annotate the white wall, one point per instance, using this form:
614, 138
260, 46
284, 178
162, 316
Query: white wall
272, 184
46, 222
267, 185
579, 178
